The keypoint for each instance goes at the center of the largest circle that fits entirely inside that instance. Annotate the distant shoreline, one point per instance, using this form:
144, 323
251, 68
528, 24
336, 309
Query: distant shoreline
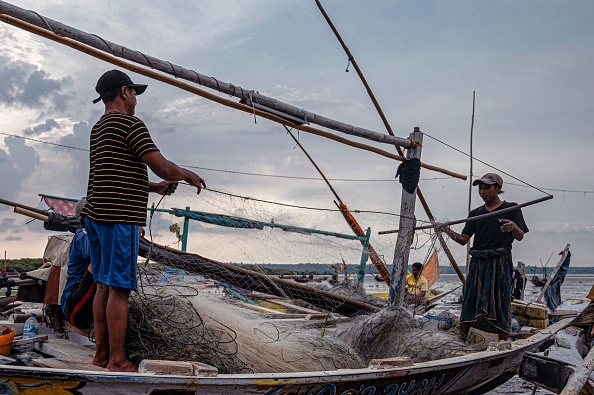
27, 264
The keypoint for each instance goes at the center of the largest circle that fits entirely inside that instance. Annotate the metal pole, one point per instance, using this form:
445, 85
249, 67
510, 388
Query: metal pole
364, 256
185, 232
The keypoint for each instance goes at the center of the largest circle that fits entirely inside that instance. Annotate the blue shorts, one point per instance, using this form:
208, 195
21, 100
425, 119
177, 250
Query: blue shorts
114, 251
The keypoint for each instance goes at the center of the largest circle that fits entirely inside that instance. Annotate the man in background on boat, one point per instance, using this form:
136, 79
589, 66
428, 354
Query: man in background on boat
79, 291
117, 195
487, 293
417, 285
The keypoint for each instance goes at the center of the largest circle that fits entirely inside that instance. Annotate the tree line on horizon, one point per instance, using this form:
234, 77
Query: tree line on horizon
28, 264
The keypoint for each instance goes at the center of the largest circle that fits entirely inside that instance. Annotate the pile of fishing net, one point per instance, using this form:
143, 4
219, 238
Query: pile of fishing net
394, 332
189, 323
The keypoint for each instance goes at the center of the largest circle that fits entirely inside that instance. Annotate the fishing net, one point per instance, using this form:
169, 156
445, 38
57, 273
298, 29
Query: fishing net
216, 303
202, 324
394, 332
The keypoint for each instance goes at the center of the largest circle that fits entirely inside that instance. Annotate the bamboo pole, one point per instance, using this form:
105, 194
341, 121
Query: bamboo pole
15, 204
226, 102
350, 220
470, 176
440, 237
31, 214
179, 72
478, 217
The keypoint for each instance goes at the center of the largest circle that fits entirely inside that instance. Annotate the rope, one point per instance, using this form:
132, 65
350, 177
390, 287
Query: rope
485, 163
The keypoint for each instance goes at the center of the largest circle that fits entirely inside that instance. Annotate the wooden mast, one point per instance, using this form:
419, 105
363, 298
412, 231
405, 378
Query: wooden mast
470, 177
442, 242
405, 235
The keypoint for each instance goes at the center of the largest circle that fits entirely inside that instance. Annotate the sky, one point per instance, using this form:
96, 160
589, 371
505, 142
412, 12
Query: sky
530, 64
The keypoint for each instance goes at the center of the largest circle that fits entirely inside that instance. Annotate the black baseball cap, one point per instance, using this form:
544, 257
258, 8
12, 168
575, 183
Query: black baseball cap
115, 79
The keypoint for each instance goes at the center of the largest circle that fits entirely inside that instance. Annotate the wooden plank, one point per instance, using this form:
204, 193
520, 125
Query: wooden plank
66, 364
580, 376
295, 307
52, 287
19, 341
66, 350
6, 300
552, 275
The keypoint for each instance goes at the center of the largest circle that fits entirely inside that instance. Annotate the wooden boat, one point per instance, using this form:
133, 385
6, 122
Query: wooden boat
538, 282
475, 373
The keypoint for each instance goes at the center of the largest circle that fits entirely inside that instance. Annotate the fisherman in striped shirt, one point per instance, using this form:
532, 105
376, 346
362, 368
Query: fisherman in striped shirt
117, 197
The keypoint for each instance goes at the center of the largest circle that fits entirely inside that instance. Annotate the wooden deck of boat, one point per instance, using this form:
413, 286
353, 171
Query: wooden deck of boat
67, 355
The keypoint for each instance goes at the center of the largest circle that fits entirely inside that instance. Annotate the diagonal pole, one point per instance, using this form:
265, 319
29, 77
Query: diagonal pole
442, 241
351, 221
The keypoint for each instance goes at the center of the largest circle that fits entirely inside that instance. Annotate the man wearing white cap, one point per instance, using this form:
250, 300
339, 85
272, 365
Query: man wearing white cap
487, 293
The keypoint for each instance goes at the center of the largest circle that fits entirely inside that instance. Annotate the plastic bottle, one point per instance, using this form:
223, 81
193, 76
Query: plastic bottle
171, 276
30, 330
514, 324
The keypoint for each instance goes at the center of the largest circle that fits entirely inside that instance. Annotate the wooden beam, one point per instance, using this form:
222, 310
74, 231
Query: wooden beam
407, 223
579, 377
552, 274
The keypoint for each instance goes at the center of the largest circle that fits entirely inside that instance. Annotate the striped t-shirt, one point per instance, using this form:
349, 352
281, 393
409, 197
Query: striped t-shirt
118, 179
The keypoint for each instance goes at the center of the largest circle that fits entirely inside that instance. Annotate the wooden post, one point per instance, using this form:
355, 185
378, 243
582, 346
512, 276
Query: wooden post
405, 233
578, 378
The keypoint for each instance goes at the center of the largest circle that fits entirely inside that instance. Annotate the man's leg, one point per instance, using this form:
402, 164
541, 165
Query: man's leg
100, 322
464, 329
117, 322
503, 336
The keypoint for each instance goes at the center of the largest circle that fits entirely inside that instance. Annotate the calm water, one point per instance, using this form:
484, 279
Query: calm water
573, 286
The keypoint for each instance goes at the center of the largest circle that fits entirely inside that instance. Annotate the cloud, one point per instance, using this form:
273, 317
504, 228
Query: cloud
8, 223
42, 127
16, 165
13, 238
24, 84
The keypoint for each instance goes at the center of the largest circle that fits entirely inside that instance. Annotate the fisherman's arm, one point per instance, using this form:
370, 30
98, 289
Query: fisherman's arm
169, 171
459, 238
511, 227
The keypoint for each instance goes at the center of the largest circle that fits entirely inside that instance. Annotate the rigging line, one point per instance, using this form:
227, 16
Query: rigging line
302, 207
313, 163
551, 189
307, 178
310, 178
44, 142
485, 163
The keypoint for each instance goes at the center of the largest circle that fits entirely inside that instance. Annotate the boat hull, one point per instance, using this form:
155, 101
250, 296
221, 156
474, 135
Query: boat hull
471, 374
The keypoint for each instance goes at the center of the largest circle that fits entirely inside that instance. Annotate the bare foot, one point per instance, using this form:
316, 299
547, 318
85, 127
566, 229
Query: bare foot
126, 366
100, 362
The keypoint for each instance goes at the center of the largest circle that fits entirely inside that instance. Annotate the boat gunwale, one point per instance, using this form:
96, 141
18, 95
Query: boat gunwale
324, 376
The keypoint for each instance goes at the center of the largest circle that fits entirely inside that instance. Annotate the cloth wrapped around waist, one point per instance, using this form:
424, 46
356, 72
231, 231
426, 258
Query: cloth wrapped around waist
487, 293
